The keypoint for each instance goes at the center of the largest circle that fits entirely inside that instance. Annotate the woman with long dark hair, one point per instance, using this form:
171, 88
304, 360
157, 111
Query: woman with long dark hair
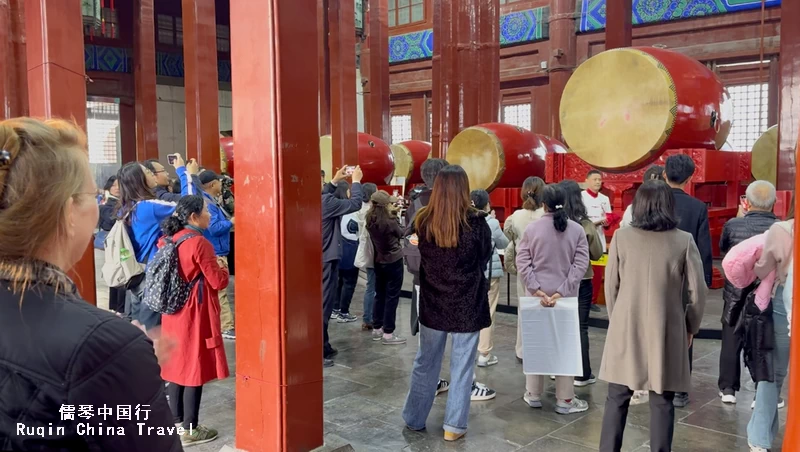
576, 211
143, 214
386, 233
199, 355
552, 259
514, 227
655, 294
455, 245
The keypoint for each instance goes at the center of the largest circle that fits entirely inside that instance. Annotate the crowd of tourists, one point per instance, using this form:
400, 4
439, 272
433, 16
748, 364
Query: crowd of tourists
166, 245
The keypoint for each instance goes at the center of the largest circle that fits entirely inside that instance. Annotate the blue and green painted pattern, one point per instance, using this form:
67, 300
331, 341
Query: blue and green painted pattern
515, 28
118, 59
593, 12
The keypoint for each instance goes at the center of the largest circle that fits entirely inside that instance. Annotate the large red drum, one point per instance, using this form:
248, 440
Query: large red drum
623, 108
374, 157
226, 154
418, 151
498, 155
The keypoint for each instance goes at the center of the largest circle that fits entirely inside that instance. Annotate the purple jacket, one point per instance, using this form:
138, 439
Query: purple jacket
552, 261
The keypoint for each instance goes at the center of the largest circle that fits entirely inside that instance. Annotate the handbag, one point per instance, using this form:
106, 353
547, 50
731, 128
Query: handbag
365, 255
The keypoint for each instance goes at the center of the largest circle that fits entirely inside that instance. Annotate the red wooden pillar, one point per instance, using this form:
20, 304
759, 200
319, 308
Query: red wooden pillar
278, 357
619, 23
324, 75
789, 117
377, 113
344, 114
57, 84
563, 43
201, 82
466, 67
791, 437
144, 73
13, 81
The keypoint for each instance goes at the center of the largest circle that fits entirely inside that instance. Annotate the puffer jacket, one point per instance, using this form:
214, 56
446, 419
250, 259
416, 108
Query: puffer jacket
735, 231
63, 360
499, 241
759, 339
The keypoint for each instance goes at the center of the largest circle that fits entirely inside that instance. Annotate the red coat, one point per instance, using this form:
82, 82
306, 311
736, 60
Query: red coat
198, 356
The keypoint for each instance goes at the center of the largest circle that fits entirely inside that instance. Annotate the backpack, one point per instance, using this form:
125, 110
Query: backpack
120, 266
165, 291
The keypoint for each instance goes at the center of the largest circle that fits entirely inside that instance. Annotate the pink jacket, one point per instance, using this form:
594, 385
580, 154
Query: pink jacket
739, 265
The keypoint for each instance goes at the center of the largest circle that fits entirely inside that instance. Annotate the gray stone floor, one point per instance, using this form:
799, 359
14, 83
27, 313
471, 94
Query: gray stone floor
365, 391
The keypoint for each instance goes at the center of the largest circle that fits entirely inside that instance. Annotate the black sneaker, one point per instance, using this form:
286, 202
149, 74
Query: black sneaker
230, 334
681, 399
327, 362
481, 392
335, 314
330, 354
580, 382
442, 386
347, 318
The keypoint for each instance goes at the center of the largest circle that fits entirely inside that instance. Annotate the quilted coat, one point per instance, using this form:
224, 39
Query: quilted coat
58, 352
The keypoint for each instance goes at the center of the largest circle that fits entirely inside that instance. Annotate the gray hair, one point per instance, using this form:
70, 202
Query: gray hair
761, 195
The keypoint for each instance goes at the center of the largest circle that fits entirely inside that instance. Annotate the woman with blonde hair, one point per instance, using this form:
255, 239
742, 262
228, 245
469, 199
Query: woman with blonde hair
455, 245
58, 353
514, 228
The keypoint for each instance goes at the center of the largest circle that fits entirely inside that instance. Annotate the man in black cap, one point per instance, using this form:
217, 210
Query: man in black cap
219, 234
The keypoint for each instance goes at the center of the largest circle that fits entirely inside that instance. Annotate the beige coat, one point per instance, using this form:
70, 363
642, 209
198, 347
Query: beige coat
655, 293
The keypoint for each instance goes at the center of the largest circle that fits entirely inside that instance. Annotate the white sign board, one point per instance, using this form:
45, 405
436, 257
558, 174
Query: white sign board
551, 341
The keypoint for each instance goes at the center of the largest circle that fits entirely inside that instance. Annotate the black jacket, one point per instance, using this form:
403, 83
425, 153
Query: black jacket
332, 211
107, 219
693, 218
454, 291
58, 352
735, 231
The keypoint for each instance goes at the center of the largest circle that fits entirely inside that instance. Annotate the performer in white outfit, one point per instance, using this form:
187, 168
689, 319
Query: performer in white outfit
597, 204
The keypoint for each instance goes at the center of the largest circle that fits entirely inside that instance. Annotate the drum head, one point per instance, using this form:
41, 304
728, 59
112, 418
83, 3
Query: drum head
618, 109
326, 156
403, 163
480, 153
764, 157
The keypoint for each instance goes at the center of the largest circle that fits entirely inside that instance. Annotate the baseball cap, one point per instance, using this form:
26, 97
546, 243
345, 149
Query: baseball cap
382, 198
208, 176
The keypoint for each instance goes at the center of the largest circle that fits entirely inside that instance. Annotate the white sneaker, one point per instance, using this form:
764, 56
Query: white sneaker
728, 398
781, 404
575, 405
758, 449
481, 392
486, 361
442, 386
640, 397
531, 401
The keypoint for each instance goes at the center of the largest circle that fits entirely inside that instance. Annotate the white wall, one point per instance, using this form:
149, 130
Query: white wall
172, 118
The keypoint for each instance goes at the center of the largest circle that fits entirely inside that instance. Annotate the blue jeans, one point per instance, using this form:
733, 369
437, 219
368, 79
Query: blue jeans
425, 377
369, 296
764, 422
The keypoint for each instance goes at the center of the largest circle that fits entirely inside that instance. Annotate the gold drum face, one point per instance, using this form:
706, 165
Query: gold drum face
623, 108
764, 156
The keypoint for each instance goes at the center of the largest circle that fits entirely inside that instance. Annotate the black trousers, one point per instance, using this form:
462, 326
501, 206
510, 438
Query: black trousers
330, 282
346, 287
730, 368
584, 308
116, 299
662, 419
184, 402
388, 282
